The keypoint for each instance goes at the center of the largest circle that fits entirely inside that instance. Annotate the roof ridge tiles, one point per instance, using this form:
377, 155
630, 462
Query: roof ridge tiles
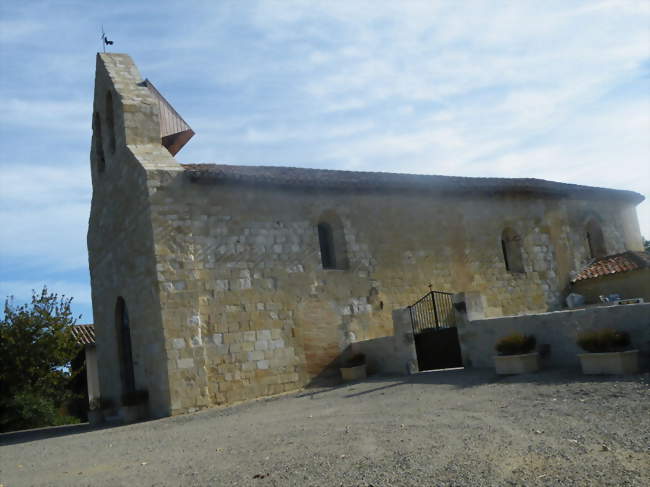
297, 176
629, 260
84, 334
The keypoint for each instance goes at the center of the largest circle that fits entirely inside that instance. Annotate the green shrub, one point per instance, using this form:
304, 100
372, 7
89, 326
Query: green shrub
32, 410
37, 348
605, 340
515, 344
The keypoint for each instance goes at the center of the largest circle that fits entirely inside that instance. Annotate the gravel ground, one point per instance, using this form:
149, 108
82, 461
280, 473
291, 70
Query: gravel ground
438, 428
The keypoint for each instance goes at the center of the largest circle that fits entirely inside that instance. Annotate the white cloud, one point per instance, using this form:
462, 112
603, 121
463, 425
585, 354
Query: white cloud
21, 290
556, 90
16, 29
72, 117
45, 211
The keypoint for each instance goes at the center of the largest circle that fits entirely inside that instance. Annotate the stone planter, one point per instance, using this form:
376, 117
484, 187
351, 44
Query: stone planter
131, 414
96, 417
610, 362
516, 364
353, 373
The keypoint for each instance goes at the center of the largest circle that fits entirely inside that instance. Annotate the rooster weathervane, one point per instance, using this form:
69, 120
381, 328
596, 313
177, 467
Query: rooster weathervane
105, 41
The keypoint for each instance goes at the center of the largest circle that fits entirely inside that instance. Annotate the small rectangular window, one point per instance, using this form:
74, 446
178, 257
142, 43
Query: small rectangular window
512, 254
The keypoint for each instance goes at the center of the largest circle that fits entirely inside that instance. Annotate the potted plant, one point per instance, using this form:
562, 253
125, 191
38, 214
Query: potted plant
95, 412
516, 354
135, 406
354, 368
608, 352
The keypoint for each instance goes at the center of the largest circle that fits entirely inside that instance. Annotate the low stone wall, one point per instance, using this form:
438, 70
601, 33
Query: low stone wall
557, 329
392, 355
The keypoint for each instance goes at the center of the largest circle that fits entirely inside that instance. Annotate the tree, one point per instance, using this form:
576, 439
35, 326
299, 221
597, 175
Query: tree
646, 245
36, 348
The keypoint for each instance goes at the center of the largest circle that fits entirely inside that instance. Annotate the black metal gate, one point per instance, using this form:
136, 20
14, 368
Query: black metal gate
434, 329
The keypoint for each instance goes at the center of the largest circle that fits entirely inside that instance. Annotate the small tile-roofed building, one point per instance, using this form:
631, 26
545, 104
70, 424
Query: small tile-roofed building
215, 283
85, 337
626, 274
84, 334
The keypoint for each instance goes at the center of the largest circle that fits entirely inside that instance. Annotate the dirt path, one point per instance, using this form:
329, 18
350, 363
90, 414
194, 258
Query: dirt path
441, 428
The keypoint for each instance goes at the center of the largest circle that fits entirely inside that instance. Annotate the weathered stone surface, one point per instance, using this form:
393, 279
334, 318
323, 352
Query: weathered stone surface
229, 277
557, 331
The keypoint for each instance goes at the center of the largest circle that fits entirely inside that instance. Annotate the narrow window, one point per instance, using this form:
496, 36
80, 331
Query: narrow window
511, 248
595, 240
327, 254
110, 122
504, 248
123, 334
331, 238
98, 143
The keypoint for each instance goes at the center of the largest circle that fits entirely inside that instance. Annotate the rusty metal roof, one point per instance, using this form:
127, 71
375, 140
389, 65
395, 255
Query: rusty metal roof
174, 131
614, 264
326, 178
84, 334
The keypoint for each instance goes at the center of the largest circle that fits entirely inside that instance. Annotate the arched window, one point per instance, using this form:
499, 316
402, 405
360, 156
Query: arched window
99, 145
511, 247
123, 333
332, 242
595, 240
326, 241
110, 121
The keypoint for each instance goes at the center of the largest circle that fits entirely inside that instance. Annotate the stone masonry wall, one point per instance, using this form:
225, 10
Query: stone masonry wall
120, 238
249, 310
557, 330
391, 355
632, 284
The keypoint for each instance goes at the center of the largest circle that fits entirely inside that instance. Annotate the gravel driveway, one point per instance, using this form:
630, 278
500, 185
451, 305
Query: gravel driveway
439, 428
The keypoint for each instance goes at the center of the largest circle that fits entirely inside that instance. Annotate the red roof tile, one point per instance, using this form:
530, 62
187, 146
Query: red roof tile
84, 334
614, 264
174, 131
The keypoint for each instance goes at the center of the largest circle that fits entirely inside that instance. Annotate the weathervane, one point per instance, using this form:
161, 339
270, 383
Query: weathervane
105, 41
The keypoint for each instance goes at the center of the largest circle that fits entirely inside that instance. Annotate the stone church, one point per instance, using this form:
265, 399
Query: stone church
214, 283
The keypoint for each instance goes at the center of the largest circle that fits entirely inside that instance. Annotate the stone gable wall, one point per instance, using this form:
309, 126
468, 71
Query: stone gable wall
120, 238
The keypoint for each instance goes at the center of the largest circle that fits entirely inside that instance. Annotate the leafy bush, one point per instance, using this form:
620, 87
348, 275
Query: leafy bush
33, 410
36, 351
605, 340
515, 344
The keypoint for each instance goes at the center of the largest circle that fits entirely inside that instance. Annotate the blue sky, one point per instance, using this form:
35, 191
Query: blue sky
553, 90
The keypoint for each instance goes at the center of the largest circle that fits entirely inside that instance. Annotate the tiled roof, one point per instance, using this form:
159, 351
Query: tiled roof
614, 264
84, 334
326, 178
174, 131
